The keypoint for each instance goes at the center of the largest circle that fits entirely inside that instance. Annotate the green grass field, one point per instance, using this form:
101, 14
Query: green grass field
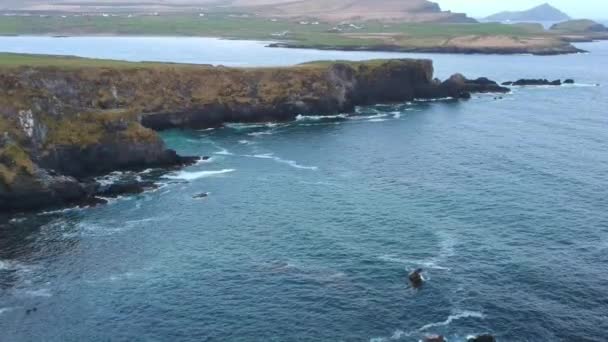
13, 60
225, 26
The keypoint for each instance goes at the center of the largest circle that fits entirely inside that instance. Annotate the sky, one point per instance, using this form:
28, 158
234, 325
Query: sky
593, 9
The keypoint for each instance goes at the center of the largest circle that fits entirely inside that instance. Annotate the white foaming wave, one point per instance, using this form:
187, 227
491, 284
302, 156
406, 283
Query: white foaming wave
257, 134
580, 85
291, 163
246, 142
396, 115
223, 152
192, 175
369, 117
61, 211
17, 220
203, 161
399, 334
377, 120
110, 178
320, 117
11, 265
38, 293
453, 317
435, 100
3, 310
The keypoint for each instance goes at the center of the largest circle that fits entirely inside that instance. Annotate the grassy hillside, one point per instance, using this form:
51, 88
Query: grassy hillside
222, 25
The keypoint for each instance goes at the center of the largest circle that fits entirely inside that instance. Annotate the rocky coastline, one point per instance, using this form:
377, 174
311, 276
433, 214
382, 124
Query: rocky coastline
62, 125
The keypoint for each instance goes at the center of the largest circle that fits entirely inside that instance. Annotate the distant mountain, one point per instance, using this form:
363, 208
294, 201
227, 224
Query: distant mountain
341, 10
544, 12
327, 10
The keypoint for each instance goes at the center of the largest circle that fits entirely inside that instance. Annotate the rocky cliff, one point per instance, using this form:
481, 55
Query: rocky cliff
62, 124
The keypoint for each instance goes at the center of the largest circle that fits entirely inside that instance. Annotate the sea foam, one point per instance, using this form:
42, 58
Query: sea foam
192, 175
291, 163
453, 317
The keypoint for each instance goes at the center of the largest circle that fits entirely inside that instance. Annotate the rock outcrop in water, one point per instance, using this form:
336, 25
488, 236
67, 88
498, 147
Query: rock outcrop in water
537, 82
482, 338
60, 125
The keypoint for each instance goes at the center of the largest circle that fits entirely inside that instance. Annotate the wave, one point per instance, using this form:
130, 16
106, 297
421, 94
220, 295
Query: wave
377, 120
203, 161
223, 152
7, 309
399, 334
435, 100
320, 117
257, 134
396, 115
453, 317
38, 293
369, 117
291, 163
110, 178
244, 126
246, 142
192, 175
581, 85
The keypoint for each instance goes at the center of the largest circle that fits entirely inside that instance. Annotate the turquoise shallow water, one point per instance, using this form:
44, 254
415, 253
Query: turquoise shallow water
310, 227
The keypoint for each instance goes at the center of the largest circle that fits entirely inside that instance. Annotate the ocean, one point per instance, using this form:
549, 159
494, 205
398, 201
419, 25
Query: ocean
310, 228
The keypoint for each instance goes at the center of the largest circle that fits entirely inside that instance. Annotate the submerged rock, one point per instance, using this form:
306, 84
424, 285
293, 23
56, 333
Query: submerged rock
482, 338
569, 81
434, 338
126, 188
201, 195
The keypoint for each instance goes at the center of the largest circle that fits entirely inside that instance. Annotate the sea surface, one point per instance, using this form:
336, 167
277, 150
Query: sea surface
310, 228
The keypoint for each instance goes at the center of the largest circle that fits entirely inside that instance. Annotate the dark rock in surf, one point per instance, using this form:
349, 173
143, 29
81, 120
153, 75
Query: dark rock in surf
201, 195
536, 82
569, 81
482, 338
434, 338
459, 87
126, 188
416, 278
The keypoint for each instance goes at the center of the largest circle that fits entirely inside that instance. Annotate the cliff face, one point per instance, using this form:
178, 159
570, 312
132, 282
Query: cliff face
62, 124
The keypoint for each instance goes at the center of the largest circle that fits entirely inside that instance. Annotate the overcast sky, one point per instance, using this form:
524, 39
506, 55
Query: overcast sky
596, 9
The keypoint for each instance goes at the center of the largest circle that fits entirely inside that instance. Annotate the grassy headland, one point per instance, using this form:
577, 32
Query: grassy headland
369, 35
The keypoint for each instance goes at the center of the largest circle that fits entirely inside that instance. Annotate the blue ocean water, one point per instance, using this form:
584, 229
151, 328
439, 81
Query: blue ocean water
311, 227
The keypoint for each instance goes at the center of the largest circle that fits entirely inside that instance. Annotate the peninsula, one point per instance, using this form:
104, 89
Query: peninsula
64, 120
383, 25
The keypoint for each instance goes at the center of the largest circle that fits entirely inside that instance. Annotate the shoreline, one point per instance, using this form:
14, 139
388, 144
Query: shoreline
565, 49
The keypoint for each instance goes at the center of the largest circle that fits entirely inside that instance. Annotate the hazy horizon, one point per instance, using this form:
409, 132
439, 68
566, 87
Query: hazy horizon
593, 9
